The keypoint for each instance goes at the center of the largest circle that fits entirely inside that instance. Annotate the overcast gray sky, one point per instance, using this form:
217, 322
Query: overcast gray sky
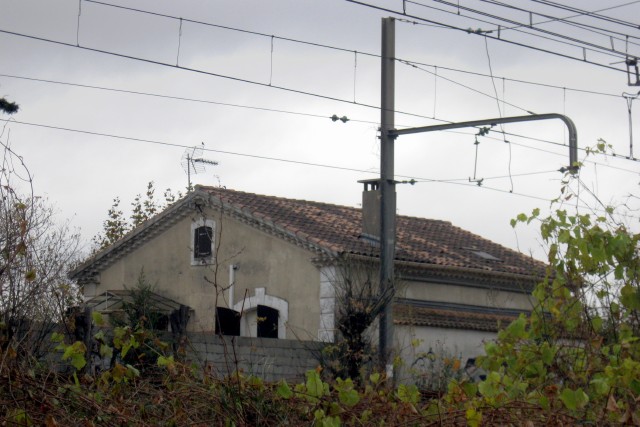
82, 172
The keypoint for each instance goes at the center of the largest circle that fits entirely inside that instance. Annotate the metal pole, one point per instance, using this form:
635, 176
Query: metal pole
387, 192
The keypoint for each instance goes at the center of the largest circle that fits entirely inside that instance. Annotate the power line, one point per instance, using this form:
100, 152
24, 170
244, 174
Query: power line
238, 79
315, 44
474, 73
592, 28
225, 27
487, 34
463, 85
573, 40
208, 73
585, 12
178, 98
303, 163
290, 161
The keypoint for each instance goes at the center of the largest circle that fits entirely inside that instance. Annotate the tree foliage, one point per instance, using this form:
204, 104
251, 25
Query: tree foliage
358, 304
142, 209
578, 354
36, 253
8, 107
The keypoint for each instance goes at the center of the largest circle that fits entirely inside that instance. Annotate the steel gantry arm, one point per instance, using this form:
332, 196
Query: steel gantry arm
573, 133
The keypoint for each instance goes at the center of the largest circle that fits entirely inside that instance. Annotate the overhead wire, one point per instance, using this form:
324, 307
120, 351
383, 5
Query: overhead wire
586, 12
207, 73
241, 79
277, 159
233, 78
410, 64
487, 34
294, 40
549, 35
226, 27
174, 97
204, 101
592, 28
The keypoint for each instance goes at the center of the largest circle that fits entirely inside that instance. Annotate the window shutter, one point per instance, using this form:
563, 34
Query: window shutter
202, 242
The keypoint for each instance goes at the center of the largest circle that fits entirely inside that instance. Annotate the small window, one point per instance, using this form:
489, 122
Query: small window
227, 322
202, 242
267, 322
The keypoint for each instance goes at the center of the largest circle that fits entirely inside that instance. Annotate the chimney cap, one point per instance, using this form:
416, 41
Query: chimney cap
374, 183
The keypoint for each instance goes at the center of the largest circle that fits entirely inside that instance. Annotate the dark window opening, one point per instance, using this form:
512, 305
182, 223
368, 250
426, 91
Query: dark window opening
202, 242
267, 322
227, 322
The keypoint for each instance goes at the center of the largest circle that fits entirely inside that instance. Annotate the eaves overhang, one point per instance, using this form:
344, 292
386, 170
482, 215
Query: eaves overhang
196, 200
88, 269
454, 275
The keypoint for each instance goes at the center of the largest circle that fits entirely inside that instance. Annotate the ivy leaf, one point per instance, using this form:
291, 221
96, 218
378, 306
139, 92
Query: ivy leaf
284, 390
408, 393
315, 388
349, 397
474, 418
630, 297
574, 399
97, 318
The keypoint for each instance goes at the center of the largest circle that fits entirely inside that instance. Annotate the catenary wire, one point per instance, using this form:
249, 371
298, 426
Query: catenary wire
278, 159
548, 35
290, 161
303, 114
238, 79
177, 98
316, 44
566, 20
586, 12
484, 34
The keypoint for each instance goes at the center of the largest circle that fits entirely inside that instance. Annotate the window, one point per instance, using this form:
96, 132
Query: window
203, 241
267, 322
227, 321
263, 315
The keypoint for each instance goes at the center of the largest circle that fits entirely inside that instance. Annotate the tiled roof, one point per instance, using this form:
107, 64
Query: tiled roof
414, 315
426, 249
420, 241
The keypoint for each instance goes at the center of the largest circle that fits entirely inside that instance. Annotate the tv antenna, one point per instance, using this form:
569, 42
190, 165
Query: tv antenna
193, 162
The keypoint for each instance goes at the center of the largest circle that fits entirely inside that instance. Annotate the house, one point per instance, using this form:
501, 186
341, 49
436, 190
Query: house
221, 252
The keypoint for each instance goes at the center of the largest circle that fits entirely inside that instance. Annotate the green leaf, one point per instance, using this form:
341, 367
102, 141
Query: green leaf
474, 418
630, 297
349, 397
408, 393
106, 351
315, 387
574, 399
284, 390
98, 320
75, 352
374, 378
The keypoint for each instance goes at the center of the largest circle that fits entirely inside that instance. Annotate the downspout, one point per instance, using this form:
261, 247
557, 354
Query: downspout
232, 282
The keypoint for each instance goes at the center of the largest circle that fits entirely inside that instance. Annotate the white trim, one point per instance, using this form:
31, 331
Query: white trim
327, 328
197, 223
262, 298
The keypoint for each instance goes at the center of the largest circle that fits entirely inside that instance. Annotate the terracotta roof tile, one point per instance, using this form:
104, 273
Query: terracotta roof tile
419, 240
407, 314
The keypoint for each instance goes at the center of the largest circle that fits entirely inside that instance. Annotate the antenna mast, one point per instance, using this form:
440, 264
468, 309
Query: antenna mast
193, 162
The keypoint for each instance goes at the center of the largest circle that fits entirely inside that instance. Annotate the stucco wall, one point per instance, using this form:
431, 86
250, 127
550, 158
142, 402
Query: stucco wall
469, 295
421, 347
262, 260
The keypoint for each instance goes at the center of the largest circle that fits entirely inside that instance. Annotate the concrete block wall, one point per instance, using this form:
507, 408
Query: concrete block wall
268, 358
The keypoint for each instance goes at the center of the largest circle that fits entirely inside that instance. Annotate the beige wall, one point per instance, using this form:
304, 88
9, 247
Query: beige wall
465, 295
264, 261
